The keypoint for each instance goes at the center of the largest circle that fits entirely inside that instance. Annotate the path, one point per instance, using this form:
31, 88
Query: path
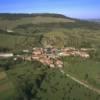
80, 82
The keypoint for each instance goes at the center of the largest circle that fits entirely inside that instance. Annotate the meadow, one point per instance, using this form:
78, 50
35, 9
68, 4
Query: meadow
22, 80
52, 85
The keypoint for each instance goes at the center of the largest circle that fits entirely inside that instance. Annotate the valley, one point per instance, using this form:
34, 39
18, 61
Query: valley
49, 57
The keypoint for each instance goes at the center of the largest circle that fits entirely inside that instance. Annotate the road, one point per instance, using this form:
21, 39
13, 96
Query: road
80, 82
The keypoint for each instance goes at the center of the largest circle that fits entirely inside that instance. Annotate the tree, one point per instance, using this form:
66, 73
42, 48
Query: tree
29, 82
86, 76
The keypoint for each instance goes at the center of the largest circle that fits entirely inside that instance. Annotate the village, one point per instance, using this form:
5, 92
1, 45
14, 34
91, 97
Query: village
50, 56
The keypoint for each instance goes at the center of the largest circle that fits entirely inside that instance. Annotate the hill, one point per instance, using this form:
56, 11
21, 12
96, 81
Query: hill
95, 20
27, 30
31, 80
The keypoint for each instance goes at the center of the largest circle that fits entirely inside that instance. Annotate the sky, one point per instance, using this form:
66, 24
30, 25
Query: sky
83, 9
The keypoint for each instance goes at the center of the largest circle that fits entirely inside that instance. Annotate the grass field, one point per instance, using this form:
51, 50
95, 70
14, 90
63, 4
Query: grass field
59, 87
75, 37
6, 87
34, 81
55, 86
16, 42
85, 70
39, 30
31, 20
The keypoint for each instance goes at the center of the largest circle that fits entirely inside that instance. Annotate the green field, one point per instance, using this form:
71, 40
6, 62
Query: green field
38, 30
21, 80
16, 42
53, 86
6, 87
75, 37
85, 70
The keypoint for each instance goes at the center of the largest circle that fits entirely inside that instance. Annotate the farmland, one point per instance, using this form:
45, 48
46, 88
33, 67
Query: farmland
52, 85
32, 80
86, 70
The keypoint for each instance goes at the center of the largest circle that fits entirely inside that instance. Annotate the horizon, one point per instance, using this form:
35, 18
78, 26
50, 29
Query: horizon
79, 9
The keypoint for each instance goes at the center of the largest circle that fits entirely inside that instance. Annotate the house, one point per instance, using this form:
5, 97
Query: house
48, 61
42, 60
52, 65
38, 52
59, 63
6, 55
28, 58
26, 51
84, 55
69, 49
9, 31
35, 57
63, 54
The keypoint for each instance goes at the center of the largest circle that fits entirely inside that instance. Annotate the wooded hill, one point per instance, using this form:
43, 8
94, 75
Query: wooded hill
28, 30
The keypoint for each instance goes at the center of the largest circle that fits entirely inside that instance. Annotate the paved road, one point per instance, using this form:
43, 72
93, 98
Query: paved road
80, 82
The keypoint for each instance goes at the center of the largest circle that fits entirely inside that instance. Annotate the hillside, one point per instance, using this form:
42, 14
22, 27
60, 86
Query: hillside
95, 20
27, 30
34, 80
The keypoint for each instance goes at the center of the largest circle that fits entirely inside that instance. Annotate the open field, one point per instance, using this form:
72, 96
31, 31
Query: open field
86, 70
31, 20
16, 42
55, 85
22, 80
6, 87
66, 37
33, 30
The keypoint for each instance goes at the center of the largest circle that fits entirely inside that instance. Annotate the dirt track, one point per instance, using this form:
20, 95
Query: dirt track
80, 82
